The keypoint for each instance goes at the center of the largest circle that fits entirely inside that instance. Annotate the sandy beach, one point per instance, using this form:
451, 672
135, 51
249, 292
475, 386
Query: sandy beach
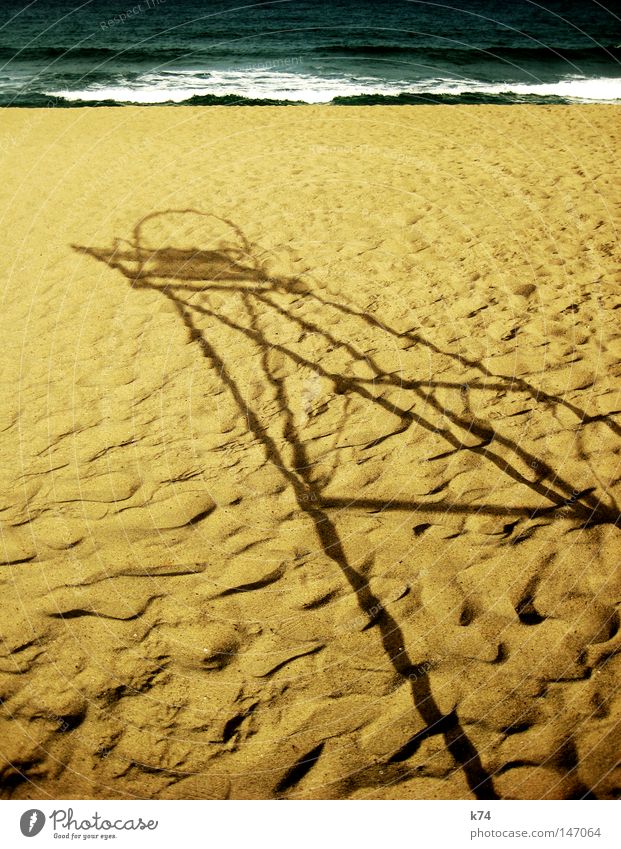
310, 459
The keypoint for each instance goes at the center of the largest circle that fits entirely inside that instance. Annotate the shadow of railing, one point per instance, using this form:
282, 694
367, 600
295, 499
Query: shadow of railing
187, 278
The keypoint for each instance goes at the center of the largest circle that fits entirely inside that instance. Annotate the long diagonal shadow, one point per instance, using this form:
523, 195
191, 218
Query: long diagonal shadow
238, 270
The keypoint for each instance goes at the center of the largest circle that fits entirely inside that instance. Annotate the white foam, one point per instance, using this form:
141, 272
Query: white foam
178, 86
260, 85
603, 89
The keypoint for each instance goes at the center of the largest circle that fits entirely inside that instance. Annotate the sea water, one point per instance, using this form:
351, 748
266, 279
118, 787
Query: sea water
101, 52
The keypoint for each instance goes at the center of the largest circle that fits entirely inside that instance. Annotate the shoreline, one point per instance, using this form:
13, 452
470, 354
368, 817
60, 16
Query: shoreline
235, 102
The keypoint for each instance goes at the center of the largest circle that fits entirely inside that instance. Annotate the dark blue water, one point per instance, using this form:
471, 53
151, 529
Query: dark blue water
312, 51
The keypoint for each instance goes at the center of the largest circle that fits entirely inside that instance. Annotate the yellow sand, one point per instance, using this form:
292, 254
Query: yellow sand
310, 452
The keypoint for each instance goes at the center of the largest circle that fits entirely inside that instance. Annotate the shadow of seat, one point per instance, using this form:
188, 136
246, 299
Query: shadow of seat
234, 265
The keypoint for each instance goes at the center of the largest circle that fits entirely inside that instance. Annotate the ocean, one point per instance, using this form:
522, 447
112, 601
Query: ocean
109, 52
